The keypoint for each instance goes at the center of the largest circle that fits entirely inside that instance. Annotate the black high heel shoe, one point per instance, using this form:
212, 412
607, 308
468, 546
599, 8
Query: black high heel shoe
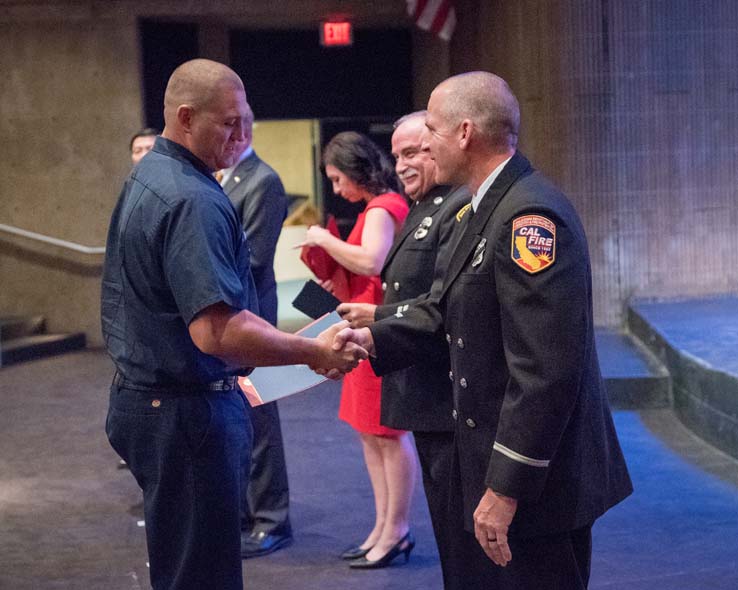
403, 546
354, 552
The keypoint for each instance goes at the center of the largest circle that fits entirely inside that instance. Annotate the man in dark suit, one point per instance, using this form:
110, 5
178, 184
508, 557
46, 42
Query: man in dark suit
260, 201
537, 459
419, 398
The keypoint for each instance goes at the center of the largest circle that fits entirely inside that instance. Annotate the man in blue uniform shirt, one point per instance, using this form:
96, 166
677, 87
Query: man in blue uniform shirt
537, 459
178, 318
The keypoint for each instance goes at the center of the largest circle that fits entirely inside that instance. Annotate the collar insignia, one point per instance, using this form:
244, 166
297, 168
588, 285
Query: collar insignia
461, 212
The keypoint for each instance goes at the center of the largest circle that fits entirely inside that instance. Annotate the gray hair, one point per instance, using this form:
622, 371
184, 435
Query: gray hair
249, 116
405, 118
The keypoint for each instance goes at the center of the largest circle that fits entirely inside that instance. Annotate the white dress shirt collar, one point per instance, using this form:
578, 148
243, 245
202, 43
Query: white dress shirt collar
227, 172
484, 187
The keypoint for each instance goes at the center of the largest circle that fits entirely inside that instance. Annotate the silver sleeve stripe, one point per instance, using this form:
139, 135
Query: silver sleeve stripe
518, 457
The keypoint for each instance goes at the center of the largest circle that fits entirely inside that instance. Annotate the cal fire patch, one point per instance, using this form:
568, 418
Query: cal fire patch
533, 242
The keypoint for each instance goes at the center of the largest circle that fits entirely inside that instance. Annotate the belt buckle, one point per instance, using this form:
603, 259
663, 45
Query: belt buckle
227, 384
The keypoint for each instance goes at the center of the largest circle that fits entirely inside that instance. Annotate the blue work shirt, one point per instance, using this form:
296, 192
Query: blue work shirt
175, 246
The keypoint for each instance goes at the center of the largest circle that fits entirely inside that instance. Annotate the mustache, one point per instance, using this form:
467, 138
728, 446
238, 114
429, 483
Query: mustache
408, 172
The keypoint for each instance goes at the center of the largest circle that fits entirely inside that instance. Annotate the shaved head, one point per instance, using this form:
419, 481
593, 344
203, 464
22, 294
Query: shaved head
472, 126
196, 83
487, 100
205, 110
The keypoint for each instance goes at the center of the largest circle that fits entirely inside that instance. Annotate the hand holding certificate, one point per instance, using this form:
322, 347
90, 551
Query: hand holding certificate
266, 384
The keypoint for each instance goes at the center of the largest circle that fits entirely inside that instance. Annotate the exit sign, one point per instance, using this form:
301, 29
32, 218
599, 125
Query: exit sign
336, 34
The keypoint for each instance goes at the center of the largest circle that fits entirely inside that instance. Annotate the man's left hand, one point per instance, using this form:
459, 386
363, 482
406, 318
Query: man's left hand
359, 315
492, 519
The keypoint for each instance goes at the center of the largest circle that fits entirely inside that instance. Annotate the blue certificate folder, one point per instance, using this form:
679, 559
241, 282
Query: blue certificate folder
266, 384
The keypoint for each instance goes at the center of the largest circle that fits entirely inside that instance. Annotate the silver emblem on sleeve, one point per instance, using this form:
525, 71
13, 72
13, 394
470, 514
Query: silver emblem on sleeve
400, 310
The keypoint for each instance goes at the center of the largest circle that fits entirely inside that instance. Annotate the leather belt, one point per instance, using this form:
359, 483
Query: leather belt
227, 384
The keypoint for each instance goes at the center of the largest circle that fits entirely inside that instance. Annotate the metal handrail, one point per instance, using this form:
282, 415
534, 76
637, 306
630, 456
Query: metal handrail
49, 240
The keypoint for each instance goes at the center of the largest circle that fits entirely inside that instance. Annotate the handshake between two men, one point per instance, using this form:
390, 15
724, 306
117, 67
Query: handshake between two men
351, 334
243, 339
345, 347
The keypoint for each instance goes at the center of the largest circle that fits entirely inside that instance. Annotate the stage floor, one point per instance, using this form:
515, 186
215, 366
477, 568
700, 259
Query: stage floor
70, 519
705, 329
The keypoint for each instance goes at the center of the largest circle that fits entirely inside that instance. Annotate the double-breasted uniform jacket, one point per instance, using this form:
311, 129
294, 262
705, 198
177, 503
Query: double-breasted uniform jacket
257, 193
419, 398
515, 312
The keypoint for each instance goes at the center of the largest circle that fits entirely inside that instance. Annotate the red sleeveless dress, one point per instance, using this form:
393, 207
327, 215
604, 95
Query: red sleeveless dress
362, 389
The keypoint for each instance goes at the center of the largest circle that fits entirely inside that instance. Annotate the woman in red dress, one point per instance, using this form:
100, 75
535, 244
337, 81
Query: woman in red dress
361, 172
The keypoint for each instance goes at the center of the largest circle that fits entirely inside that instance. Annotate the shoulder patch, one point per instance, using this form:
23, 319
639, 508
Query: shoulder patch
533, 242
461, 212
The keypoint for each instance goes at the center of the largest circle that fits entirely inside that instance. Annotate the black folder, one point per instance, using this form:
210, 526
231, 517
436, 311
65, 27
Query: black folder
314, 301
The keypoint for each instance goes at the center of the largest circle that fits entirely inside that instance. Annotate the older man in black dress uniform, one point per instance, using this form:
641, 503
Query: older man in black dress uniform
537, 460
419, 398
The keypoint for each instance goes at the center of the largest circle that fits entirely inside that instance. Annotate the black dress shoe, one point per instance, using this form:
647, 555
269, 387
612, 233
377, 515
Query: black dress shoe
403, 547
261, 543
354, 552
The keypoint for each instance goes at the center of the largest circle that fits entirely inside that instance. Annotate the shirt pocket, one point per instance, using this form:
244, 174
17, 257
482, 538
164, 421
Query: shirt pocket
475, 278
413, 245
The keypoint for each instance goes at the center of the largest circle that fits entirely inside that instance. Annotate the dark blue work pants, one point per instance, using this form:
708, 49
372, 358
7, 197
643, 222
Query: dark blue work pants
186, 453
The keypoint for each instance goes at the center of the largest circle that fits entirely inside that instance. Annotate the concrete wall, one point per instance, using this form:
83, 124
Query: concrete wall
70, 98
632, 107
69, 101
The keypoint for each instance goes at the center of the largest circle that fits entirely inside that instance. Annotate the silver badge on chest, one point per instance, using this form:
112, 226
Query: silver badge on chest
479, 253
422, 230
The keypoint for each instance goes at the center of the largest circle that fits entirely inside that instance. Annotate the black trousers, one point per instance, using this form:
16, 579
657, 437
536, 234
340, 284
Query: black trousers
461, 556
265, 505
560, 561
556, 561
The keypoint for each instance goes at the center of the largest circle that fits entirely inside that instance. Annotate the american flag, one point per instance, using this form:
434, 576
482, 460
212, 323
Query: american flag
436, 16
